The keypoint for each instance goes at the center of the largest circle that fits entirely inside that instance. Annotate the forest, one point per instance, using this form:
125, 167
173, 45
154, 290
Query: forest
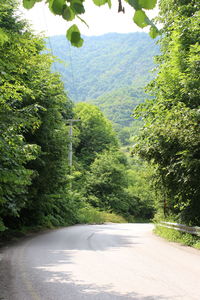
117, 70
158, 177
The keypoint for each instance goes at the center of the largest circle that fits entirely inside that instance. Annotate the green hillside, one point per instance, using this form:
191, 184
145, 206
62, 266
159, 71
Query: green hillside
118, 104
109, 70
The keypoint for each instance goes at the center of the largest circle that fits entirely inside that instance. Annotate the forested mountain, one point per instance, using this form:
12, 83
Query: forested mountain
109, 70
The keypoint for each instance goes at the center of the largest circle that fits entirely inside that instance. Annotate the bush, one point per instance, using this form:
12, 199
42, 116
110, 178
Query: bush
173, 235
113, 218
2, 226
91, 215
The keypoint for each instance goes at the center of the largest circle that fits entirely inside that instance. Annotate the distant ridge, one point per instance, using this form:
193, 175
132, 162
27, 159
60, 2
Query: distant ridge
107, 67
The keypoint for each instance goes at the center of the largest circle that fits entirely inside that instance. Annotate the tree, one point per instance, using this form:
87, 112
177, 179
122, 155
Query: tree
33, 110
15, 118
69, 10
170, 138
140, 189
106, 182
95, 133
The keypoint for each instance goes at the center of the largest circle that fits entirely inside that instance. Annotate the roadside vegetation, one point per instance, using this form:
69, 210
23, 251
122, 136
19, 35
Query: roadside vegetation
170, 138
173, 235
37, 188
157, 178
91, 215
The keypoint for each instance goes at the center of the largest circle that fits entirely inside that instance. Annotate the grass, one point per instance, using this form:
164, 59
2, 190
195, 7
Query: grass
91, 215
173, 235
113, 218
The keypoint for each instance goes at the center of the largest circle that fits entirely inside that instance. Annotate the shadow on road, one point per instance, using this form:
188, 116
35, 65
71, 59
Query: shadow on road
61, 286
73, 264
60, 272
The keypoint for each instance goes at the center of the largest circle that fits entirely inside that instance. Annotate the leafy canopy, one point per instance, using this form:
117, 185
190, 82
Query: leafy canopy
71, 9
96, 133
33, 131
171, 136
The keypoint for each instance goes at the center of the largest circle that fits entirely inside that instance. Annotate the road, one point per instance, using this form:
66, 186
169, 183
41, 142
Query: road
104, 262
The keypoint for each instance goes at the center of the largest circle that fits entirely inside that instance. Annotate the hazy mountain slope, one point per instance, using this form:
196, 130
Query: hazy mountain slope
109, 70
104, 63
118, 104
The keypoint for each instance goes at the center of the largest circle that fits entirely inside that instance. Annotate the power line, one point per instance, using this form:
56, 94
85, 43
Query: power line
52, 53
48, 38
72, 70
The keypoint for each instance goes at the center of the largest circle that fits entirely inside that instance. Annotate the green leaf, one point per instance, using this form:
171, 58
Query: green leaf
100, 2
141, 19
74, 36
28, 3
77, 7
147, 4
154, 32
3, 37
109, 3
134, 3
68, 13
57, 6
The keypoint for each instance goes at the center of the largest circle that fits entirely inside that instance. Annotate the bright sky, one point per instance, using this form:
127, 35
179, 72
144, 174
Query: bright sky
100, 20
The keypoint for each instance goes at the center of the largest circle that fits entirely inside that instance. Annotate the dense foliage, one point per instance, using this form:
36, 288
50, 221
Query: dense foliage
113, 184
72, 9
140, 190
33, 138
107, 182
171, 136
95, 133
102, 173
37, 188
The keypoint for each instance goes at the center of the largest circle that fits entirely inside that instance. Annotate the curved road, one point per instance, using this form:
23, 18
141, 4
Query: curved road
105, 262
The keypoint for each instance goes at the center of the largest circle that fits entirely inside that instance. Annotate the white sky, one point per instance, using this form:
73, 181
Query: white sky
101, 20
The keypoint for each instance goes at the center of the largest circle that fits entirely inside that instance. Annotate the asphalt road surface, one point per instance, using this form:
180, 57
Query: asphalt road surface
112, 261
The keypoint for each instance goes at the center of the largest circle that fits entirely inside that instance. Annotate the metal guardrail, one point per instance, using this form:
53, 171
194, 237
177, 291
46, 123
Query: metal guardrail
184, 228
